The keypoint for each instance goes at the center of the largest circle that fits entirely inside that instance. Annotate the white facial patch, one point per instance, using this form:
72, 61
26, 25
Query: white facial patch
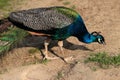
99, 40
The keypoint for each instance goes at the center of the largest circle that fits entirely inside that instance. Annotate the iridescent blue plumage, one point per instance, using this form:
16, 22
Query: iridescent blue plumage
77, 29
80, 31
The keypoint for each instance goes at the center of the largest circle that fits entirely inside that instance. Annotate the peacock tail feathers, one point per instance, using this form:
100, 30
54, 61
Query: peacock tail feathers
10, 38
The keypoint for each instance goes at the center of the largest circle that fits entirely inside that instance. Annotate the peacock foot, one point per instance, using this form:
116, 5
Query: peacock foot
50, 58
67, 59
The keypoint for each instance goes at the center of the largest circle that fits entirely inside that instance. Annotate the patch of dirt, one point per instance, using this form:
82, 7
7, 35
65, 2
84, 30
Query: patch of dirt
98, 15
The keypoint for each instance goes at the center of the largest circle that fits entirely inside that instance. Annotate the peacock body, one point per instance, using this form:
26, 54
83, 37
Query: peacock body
59, 22
56, 23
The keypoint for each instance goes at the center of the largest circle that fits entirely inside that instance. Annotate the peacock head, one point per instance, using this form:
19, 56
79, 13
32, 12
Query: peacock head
99, 38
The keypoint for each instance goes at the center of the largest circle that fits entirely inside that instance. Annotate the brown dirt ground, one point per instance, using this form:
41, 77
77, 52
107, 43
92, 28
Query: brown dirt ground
99, 15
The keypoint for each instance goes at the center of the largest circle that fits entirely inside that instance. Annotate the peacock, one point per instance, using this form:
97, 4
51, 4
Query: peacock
54, 23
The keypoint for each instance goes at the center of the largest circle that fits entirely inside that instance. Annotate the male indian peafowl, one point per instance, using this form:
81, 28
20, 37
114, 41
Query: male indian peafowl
55, 23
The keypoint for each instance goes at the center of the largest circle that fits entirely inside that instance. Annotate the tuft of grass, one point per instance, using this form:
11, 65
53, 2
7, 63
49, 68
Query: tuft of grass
32, 51
35, 61
73, 7
104, 60
59, 75
9, 39
7, 6
4, 3
93, 68
45, 61
60, 0
66, 3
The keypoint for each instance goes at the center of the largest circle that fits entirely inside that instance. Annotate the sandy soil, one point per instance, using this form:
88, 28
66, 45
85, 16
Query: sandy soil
99, 15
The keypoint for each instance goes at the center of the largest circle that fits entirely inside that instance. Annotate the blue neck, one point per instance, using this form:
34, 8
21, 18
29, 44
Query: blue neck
87, 38
78, 29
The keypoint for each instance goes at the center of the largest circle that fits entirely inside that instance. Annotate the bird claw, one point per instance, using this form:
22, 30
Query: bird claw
50, 58
67, 59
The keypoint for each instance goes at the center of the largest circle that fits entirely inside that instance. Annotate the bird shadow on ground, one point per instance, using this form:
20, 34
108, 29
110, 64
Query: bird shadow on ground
71, 46
38, 42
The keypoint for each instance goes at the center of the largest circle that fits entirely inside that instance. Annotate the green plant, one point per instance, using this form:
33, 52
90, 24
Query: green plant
32, 51
59, 75
104, 60
73, 6
7, 6
10, 38
45, 61
4, 3
60, 0
66, 3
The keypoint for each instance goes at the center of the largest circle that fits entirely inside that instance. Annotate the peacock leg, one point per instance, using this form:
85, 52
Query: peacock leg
60, 44
46, 43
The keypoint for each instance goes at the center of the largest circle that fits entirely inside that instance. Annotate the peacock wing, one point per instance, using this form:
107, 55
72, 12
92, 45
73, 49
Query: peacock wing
44, 18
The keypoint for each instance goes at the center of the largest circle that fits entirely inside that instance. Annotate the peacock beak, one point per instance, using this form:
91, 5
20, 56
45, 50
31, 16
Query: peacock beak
104, 43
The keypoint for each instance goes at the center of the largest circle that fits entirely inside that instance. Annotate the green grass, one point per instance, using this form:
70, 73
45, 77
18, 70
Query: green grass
73, 7
60, 0
7, 6
4, 8
32, 51
35, 61
66, 3
104, 60
4, 3
45, 61
59, 75
10, 38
